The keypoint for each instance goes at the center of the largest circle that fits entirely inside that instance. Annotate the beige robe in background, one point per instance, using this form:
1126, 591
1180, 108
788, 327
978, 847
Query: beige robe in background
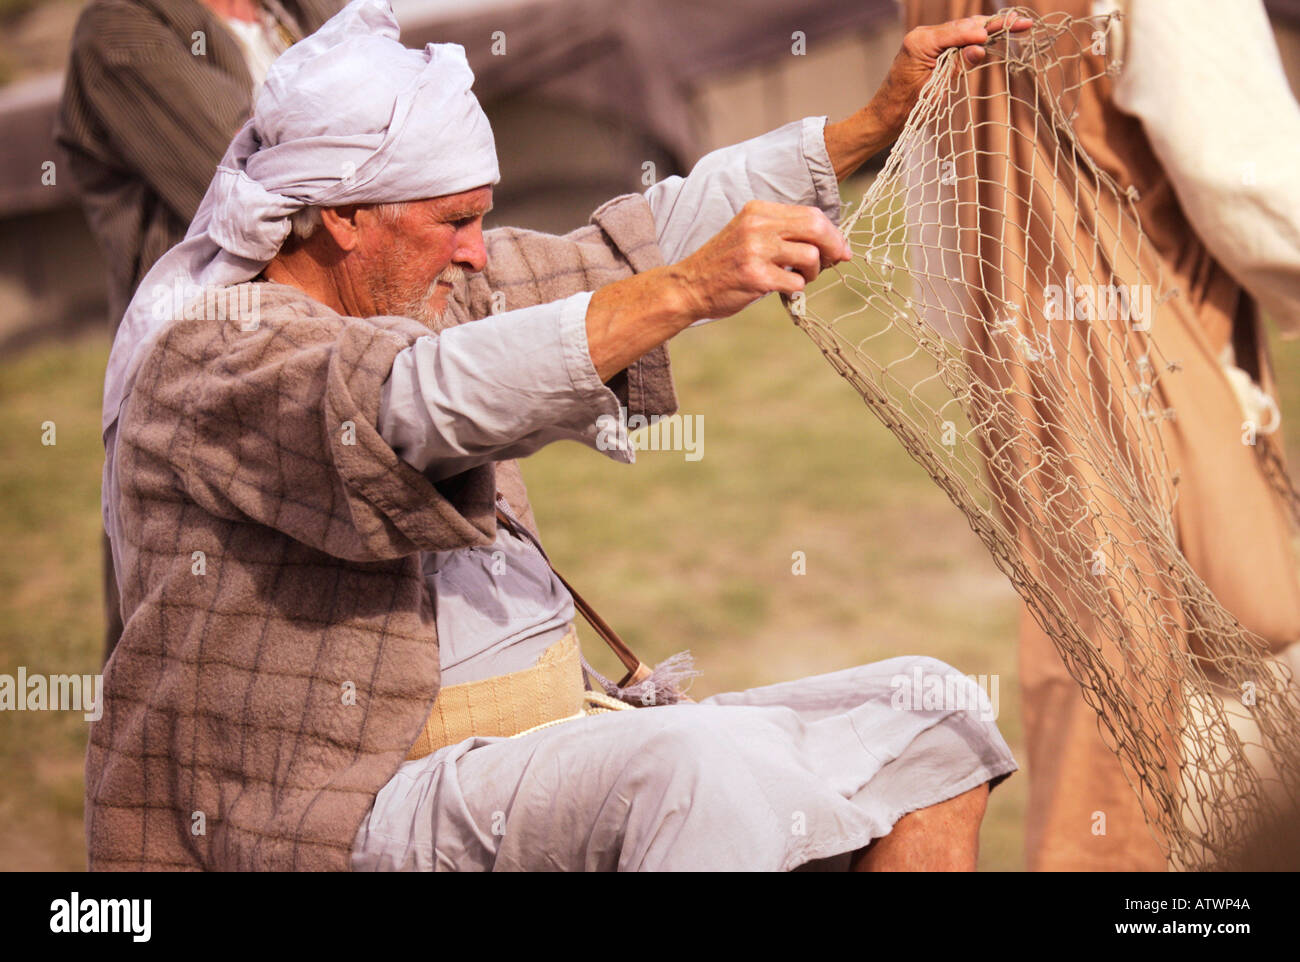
1232, 525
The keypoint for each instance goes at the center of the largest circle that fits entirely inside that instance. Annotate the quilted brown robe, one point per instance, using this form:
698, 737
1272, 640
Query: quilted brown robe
266, 689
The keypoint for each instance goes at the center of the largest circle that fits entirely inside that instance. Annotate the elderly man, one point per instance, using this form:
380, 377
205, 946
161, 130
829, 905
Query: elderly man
334, 655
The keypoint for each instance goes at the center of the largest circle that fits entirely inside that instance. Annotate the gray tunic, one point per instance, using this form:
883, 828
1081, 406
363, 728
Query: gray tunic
800, 773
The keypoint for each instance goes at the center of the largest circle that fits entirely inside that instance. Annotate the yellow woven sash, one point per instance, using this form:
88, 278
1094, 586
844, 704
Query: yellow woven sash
552, 690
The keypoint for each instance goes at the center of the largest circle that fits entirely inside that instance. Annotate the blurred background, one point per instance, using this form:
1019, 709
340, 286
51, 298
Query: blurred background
676, 553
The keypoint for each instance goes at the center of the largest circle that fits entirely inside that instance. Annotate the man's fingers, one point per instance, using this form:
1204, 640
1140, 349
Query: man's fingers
959, 33
1001, 22
806, 259
975, 52
786, 282
767, 248
808, 225
975, 30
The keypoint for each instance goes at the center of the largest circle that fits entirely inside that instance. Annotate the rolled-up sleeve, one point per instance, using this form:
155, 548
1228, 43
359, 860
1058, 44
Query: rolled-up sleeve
789, 165
500, 388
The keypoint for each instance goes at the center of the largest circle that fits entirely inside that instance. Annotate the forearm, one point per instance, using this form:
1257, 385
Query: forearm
853, 141
627, 319
767, 247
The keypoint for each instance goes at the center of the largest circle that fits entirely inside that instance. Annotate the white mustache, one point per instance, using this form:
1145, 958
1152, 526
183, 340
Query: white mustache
451, 274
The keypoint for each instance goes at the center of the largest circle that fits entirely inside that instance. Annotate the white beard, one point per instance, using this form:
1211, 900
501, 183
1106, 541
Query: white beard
417, 307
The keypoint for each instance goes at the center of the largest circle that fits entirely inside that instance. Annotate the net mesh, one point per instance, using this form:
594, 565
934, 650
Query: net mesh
1023, 371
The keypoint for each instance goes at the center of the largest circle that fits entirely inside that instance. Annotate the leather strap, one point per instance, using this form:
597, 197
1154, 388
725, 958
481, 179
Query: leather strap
637, 670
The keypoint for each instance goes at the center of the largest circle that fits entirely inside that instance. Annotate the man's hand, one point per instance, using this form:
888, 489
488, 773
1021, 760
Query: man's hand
917, 59
766, 247
850, 142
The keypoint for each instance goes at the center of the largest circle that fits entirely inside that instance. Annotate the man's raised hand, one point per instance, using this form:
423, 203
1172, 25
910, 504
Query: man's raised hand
850, 142
919, 54
765, 248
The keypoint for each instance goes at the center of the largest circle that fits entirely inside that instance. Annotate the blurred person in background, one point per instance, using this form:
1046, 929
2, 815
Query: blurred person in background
154, 92
1202, 123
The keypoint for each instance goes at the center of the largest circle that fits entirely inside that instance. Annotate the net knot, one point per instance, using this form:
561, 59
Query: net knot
1168, 414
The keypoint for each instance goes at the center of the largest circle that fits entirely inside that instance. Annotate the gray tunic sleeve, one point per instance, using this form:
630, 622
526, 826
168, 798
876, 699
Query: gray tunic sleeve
499, 388
789, 165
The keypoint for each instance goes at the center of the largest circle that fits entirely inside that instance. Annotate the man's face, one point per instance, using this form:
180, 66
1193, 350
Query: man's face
410, 265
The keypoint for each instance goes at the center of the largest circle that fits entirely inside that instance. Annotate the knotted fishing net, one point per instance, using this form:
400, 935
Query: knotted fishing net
1024, 372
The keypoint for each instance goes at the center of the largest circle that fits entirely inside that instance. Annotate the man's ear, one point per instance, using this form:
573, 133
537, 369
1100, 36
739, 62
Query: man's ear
341, 223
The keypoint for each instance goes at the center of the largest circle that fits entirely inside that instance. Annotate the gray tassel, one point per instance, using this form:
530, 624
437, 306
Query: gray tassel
666, 684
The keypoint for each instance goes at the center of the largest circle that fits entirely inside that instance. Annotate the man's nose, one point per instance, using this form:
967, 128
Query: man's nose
471, 249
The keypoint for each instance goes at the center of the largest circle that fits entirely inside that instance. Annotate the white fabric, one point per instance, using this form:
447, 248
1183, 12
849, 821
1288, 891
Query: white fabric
788, 165
260, 44
1208, 85
1258, 407
347, 115
496, 389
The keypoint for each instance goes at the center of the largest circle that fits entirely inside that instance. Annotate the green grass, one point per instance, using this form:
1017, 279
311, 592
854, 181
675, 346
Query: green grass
50, 602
